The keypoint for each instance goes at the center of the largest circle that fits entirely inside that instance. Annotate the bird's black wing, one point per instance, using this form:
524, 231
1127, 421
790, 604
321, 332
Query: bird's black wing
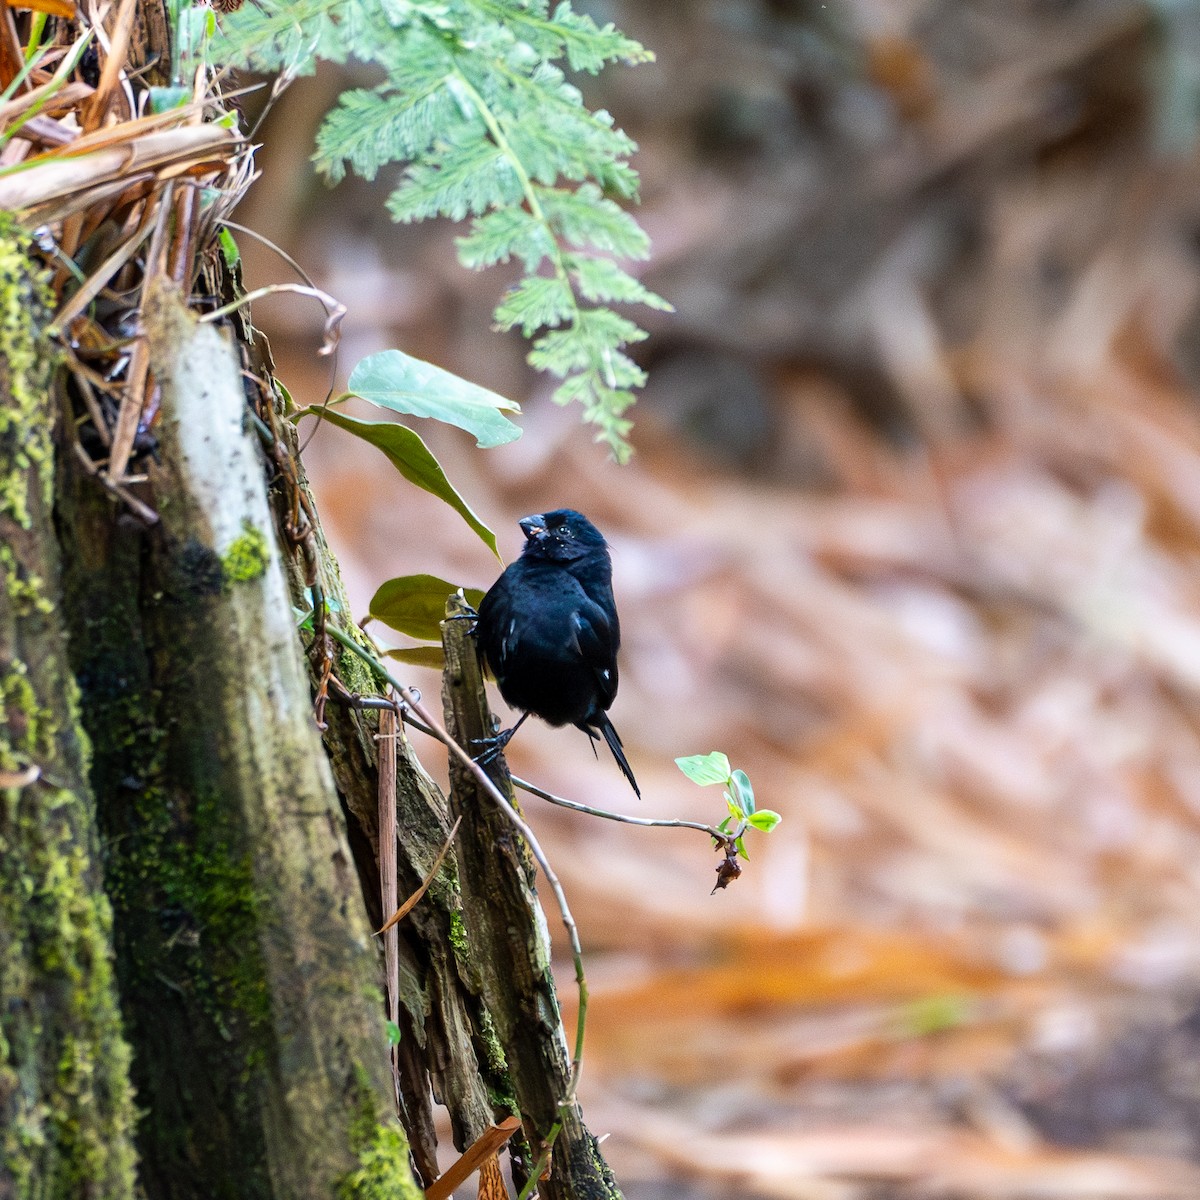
492, 628
597, 641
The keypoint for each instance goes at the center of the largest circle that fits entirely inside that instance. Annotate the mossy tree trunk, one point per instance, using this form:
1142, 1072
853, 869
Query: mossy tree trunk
250, 985
239, 850
66, 1107
191, 1002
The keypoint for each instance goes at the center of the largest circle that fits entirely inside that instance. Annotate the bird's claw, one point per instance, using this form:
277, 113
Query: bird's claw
492, 746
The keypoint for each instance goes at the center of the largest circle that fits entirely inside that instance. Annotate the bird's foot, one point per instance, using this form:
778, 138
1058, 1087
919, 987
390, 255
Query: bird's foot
492, 746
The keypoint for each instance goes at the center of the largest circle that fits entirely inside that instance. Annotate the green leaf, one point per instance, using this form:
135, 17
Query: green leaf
420, 656
393, 1033
403, 384
705, 769
411, 457
229, 248
416, 604
765, 819
289, 405
742, 789
332, 604
741, 848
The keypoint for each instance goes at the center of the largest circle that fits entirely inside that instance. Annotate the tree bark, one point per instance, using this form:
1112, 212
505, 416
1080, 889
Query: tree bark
66, 1106
250, 986
191, 1002
508, 939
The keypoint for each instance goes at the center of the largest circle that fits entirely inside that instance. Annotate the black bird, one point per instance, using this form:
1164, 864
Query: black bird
548, 630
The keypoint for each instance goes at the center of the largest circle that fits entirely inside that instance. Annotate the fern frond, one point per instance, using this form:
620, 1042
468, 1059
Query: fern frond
592, 343
569, 34
584, 218
476, 106
456, 179
365, 128
600, 279
536, 302
273, 35
506, 233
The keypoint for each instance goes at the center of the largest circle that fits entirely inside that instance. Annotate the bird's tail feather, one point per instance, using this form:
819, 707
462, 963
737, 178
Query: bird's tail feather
614, 744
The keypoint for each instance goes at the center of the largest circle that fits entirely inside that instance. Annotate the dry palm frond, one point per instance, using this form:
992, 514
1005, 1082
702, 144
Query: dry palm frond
54, 188
117, 196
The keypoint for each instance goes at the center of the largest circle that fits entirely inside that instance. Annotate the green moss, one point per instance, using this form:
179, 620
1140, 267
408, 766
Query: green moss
382, 1150
497, 1063
489, 1041
247, 556
355, 673
74, 1134
93, 1071
27, 593
180, 874
66, 1106
191, 866
458, 936
20, 744
24, 417
383, 1172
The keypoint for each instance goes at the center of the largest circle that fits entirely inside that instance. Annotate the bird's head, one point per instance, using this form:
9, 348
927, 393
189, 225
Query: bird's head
560, 536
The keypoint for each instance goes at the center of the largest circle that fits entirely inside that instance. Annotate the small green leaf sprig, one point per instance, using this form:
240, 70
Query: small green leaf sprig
714, 768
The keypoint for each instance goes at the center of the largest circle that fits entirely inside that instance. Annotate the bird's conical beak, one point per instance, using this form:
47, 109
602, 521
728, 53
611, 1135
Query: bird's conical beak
533, 526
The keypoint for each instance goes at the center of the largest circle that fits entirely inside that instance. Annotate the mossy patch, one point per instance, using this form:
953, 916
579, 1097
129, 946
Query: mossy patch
66, 1104
382, 1149
77, 1134
458, 936
247, 556
178, 870
26, 592
28, 360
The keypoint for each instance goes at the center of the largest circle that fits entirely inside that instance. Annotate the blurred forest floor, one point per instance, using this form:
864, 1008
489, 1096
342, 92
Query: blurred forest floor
912, 533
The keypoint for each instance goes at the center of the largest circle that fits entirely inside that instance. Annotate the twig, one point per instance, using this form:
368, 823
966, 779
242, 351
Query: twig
543, 1161
144, 512
334, 309
514, 818
388, 883
415, 898
99, 278
662, 823
129, 415
114, 64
